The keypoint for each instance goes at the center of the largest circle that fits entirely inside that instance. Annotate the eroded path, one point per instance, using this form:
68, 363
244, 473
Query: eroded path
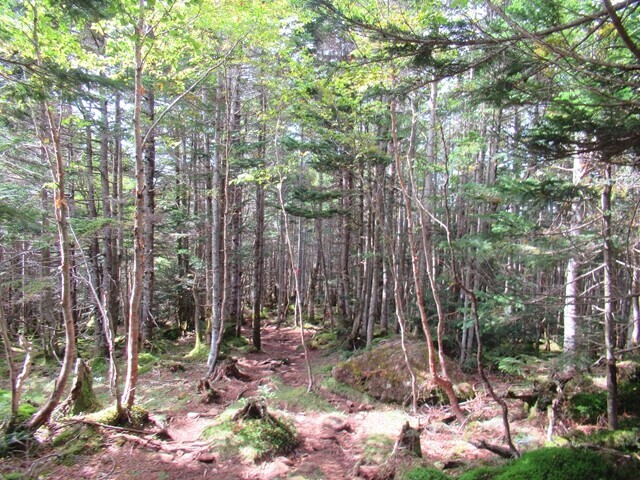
340, 438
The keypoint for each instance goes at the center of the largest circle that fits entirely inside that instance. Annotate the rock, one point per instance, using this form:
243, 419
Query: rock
206, 458
275, 469
382, 373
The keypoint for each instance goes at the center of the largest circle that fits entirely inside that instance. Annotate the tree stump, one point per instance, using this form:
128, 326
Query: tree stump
81, 398
409, 441
253, 410
228, 368
207, 394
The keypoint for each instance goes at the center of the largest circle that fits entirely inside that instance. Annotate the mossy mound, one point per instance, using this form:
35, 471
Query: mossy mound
136, 417
382, 373
252, 432
424, 473
556, 464
268, 437
76, 440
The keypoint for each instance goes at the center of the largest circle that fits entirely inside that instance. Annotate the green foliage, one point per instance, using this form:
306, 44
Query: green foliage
629, 397
423, 473
518, 365
588, 407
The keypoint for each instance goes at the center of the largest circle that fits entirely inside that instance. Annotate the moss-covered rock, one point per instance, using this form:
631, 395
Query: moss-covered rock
382, 373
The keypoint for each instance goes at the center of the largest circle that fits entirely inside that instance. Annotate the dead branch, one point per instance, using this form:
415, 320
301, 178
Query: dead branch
498, 450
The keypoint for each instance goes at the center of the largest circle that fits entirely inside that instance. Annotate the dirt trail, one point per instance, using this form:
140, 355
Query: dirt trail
333, 443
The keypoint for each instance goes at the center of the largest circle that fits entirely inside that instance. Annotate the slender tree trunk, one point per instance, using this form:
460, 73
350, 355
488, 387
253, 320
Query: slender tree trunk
258, 268
345, 278
571, 292
633, 340
298, 293
441, 379
94, 247
216, 261
235, 308
61, 210
148, 199
133, 330
609, 326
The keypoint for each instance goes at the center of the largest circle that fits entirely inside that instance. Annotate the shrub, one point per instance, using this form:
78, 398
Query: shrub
629, 397
587, 407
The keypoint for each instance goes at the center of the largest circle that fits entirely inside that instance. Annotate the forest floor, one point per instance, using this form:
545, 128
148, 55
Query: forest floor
342, 435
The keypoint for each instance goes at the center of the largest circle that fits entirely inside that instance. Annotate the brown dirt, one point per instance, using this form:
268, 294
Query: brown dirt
334, 445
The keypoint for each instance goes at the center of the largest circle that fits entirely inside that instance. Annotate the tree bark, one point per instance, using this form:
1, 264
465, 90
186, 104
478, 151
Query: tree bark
609, 326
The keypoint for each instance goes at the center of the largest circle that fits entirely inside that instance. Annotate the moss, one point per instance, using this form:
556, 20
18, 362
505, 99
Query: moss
480, 473
267, 437
324, 340
25, 412
298, 399
199, 352
256, 439
79, 441
135, 417
377, 448
424, 473
382, 373
146, 361
627, 441
557, 464
347, 391
14, 476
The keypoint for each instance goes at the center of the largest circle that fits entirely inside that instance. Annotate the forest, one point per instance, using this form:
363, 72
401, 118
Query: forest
320, 239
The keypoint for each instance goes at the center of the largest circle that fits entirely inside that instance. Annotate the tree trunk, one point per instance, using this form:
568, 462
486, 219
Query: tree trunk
216, 263
571, 289
258, 268
61, 209
133, 330
607, 254
148, 200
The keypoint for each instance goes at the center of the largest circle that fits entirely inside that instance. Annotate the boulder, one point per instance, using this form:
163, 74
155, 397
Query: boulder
382, 373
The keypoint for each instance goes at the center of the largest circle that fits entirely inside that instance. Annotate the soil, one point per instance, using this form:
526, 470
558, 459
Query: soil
350, 442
